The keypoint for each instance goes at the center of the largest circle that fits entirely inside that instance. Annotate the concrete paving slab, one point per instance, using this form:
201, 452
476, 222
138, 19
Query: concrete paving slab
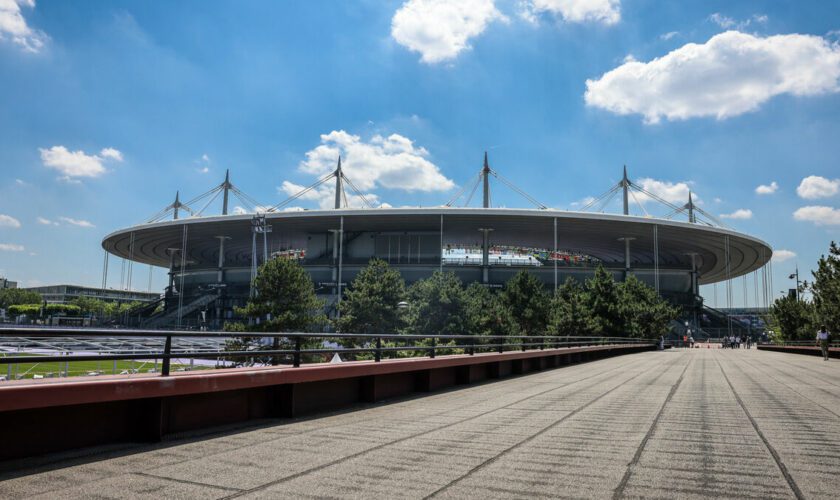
682, 424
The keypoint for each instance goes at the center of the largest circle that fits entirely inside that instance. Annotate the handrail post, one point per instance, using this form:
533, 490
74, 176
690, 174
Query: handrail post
434, 345
501, 344
523, 343
296, 356
542, 343
167, 350
378, 355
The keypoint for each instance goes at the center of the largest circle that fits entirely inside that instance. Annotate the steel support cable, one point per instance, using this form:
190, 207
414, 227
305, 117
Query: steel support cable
518, 190
474, 188
461, 191
200, 212
603, 205
358, 192
638, 203
601, 197
247, 205
245, 198
300, 193
675, 212
655, 197
711, 217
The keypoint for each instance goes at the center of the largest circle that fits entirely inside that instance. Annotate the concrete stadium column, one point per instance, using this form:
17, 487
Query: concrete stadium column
485, 255
171, 252
626, 240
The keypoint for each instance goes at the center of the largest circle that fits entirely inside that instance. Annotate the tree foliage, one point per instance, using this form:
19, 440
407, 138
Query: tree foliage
825, 290
644, 314
17, 296
486, 313
569, 310
528, 301
794, 318
285, 299
371, 305
603, 303
437, 306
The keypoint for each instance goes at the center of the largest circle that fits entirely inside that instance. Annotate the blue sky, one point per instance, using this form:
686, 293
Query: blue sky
108, 108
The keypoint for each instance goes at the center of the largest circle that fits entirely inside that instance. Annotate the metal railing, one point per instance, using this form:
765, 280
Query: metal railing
805, 343
371, 345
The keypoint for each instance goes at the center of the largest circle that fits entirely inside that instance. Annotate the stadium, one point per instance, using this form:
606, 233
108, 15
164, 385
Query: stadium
211, 259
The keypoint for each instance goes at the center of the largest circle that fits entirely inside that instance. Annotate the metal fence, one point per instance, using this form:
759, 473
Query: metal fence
168, 345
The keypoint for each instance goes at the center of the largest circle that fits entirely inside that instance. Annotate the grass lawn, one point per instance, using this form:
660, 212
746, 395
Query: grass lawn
76, 368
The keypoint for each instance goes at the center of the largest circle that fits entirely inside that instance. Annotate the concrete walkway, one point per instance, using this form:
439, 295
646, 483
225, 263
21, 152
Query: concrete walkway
674, 424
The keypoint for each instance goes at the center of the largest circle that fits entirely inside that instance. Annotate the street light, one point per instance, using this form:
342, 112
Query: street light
796, 276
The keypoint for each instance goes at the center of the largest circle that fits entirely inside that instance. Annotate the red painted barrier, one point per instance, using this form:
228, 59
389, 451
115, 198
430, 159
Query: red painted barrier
53, 415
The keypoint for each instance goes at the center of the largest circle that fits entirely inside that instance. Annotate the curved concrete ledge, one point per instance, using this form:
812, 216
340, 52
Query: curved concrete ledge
49, 416
833, 352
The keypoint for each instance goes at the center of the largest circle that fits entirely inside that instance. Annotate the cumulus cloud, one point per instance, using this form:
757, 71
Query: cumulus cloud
741, 213
11, 247
574, 11
46, 222
672, 192
392, 162
440, 29
731, 74
814, 186
74, 164
13, 26
767, 189
819, 215
782, 255
76, 222
9, 221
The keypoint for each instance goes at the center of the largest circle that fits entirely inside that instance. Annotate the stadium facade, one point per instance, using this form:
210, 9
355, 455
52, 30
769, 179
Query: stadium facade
212, 259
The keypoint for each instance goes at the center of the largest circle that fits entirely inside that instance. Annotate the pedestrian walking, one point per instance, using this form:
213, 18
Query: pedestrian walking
822, 339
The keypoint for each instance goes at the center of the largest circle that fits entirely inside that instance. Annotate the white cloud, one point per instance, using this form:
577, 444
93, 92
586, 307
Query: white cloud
204, 157
574, 11
392, 162
440, 29
819, 215
46, 222
20, 182
76, 222
203, 170
669, 35
741, 213
782, 255
814, 186
111, 154
672, 192
11, 247
731, 74
9, 221
726, 22
767, 189
13, 26
73, 164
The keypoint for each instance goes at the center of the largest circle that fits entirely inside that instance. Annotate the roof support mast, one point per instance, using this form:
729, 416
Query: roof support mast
485, 173
338, 188
226, 186
176, 205
691, 217
625, 186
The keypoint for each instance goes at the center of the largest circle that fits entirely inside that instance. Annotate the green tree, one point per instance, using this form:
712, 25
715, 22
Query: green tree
487, 314
16, 296
528, 301
825, 290
644, 313
569, 314
603, 297
437, 305
285, 299
794, 318
371, 305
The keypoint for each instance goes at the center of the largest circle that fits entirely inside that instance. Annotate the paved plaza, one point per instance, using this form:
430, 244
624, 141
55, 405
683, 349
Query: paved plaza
673, 424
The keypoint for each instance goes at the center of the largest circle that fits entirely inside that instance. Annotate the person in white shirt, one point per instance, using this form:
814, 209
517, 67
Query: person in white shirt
822, 338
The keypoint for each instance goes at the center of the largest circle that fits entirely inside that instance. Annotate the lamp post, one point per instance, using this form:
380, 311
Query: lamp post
796, 277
